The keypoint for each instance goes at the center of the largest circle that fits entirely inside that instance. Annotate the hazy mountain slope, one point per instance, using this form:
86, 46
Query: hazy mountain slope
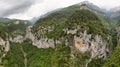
4, 20
76, 6
114, 13
93, 7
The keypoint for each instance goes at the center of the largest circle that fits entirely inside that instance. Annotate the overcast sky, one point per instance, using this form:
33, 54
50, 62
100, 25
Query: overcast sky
27, 9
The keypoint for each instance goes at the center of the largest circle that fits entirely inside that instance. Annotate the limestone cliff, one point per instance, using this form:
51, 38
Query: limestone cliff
4, 48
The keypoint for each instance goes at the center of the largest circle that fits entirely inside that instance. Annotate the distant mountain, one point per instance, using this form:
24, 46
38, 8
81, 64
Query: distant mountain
115, 13
35, 19
92, 6
4, 19
116, 9
88, 4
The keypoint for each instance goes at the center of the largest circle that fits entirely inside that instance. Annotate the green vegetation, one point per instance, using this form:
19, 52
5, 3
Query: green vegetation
58, 57
114, 33
88, 21
56, 18
47, 57
118, 23
71, 19
61, 56
114, 59
8, 29
14, 57
37, 57
13, 28
2, 31
97, 62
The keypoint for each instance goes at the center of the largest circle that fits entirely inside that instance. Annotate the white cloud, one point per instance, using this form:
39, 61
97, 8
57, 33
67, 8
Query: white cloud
42, 8
36, 8
108, 4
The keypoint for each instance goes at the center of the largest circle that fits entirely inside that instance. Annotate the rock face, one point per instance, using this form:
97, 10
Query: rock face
84, 42
16, 22
40, 43
44, 43
19, 39
4, 48
97, 46
79, 44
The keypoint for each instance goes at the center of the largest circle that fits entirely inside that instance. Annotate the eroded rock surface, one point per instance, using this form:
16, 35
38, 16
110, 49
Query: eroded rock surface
4, 48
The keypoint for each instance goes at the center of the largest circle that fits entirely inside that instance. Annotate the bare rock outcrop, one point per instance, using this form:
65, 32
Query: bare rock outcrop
96, 45
40, 43
18, 39
4, 48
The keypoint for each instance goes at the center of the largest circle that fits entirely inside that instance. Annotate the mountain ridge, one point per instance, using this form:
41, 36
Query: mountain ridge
76, 36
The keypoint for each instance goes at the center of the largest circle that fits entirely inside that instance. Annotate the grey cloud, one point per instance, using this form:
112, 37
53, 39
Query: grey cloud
16, 6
